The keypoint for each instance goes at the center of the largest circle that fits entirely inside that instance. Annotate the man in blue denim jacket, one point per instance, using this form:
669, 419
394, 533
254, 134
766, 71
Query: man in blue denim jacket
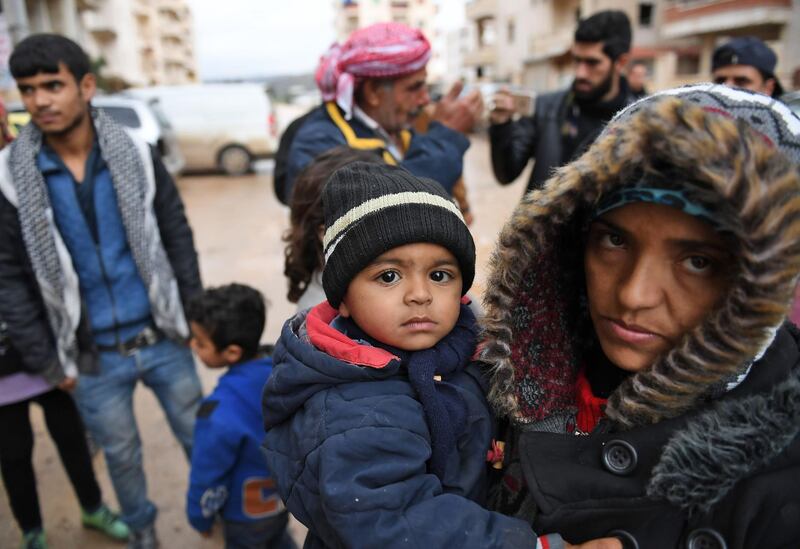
96, 261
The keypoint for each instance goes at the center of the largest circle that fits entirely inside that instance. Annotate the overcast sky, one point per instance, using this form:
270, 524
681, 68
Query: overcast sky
236, 38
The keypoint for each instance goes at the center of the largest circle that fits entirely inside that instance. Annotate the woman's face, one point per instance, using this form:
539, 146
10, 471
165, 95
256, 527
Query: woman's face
652, 274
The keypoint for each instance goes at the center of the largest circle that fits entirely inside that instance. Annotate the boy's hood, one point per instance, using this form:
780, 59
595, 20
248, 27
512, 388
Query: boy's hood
312, 356
535, 322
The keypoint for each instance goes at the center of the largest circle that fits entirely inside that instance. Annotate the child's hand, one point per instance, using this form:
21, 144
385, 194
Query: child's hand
602, 543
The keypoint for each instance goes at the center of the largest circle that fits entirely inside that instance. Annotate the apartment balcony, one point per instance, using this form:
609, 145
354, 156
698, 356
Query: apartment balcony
485, 55
100, 27
176, 5
174, 55
169, 10
711, 17
550, 45
90, 5
172, 29
480, 9
141, 9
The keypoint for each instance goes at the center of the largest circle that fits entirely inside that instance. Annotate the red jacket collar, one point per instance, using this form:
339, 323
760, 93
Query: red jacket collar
334, 343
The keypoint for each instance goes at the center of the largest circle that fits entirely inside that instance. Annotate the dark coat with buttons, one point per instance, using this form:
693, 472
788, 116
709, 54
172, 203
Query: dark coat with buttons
700, 449
727, 473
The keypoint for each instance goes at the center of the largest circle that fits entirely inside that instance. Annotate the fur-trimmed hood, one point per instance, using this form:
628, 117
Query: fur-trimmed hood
536, 326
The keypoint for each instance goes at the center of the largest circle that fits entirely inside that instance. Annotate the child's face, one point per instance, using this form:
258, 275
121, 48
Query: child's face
409, 297
205, 349
652, 274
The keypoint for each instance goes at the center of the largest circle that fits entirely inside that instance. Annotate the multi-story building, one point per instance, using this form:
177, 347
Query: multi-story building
708, 23
421, 14
142, 42
528, 43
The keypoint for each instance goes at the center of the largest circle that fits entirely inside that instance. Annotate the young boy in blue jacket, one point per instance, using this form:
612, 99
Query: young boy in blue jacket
377, 427
229, 476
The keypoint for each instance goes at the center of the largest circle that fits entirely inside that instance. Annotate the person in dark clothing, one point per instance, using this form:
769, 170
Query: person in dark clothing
96, 261
565, 122
637, 78
746, 62
639, 301
17, 391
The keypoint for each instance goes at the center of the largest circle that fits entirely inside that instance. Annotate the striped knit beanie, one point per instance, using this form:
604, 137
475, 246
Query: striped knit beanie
372, 208
770, 118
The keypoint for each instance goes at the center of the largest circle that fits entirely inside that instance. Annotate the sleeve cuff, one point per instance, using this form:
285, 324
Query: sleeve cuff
201, 524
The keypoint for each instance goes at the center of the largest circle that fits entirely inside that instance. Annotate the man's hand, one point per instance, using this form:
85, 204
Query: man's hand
502, 107
456, 113
68, 384
601, 543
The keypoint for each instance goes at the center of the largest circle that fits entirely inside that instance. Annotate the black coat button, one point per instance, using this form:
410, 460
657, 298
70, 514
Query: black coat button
619, 457
626, 538
705, 538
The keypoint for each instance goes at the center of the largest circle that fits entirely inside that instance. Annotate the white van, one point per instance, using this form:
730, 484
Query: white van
218, 126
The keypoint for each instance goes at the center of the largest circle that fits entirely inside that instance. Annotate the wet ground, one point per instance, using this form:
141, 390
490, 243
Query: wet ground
238, 224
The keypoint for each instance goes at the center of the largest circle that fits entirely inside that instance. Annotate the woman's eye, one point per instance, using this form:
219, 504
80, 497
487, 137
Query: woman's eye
441, 276
612, 240
387, 277
697, 264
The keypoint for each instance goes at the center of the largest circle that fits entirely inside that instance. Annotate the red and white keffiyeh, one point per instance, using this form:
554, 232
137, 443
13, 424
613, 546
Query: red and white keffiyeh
382, 50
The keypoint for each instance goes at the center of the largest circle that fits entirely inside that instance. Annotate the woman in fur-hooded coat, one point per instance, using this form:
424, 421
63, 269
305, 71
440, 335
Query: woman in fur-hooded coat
700, 448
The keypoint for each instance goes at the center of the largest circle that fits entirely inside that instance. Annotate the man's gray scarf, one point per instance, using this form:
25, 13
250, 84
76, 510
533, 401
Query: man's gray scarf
51, 264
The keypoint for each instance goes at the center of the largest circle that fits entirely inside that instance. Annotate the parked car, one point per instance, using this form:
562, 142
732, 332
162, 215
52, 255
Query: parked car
219, 126
139, 117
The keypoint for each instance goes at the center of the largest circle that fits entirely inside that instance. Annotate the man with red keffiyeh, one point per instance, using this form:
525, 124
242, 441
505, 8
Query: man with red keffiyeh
373, 86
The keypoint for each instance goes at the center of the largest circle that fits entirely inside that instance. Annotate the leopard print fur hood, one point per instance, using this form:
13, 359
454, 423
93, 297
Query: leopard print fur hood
536, 323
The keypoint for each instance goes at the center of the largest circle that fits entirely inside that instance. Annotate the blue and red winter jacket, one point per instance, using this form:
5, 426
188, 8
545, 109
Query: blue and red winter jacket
229, 475
348, 444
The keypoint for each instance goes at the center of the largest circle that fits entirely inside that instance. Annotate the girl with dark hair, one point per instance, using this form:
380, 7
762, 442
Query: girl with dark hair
304, 259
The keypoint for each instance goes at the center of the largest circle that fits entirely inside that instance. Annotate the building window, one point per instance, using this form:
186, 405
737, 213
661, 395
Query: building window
645, 14
688, 64
510, 31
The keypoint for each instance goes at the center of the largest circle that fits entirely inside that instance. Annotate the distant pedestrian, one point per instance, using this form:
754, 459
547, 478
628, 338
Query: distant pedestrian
18, 389
566, 122
303, 258
637, 78
747, 62
229, 477
96, 260
373, 86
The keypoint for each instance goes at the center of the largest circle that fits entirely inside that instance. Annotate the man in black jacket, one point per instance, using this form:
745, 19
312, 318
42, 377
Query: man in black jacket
96, 261
566, 122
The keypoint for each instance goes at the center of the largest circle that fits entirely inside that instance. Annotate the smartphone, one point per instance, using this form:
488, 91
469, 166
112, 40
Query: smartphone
523, 103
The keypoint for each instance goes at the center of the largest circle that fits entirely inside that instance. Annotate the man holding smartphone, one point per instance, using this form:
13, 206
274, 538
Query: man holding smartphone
567, 121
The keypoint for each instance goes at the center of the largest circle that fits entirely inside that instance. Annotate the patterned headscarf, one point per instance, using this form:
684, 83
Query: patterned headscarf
382, 50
